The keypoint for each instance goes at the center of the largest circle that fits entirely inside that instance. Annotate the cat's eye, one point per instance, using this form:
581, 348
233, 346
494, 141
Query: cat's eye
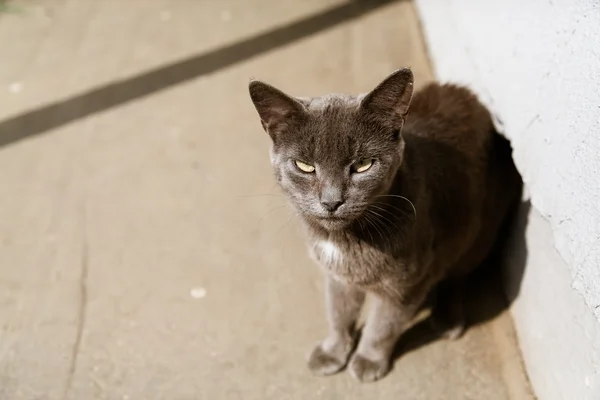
304, 167
362, 165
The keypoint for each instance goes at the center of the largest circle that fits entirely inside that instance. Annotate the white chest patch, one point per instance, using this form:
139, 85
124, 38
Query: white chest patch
330, 253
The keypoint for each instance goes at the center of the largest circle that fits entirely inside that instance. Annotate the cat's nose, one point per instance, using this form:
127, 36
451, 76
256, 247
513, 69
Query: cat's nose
332, 205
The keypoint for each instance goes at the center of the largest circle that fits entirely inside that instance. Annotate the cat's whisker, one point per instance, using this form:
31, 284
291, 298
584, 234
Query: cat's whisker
391, 227
241, 196
279, 207
285, 223
395, 216
403, 198
383, 225
377, 224
386, 211
396, 208
372, 224
383, 216
382, 222
360, 222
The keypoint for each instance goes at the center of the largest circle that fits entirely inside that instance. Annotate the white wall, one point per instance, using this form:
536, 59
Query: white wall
536, 63
559, 336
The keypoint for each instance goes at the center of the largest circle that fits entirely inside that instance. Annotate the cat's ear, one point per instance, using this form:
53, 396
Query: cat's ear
388, 103
276, 109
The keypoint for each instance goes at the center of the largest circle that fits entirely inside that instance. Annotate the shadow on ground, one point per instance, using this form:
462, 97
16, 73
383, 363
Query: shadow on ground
54, 115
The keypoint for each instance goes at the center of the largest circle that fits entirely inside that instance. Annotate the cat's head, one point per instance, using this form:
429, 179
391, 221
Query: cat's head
333, 155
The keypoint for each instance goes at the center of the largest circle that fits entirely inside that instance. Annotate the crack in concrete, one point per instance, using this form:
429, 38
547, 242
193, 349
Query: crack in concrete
82, 311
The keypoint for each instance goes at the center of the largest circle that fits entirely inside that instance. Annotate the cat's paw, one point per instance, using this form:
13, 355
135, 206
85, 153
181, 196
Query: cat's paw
328, 360
366, 370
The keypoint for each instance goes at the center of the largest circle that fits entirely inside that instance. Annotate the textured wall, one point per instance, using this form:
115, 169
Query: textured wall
536, 63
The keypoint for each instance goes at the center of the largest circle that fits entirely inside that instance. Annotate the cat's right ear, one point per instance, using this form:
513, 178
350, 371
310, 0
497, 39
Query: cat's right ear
276, 109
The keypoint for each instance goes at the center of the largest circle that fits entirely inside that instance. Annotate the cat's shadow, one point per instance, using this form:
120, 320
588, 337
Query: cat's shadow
489, 290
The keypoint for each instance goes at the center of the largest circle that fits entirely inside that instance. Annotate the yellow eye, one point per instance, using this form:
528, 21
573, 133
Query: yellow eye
362, 165
304, 167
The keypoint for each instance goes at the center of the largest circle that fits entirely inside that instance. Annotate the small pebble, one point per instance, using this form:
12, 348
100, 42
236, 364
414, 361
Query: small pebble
198, 293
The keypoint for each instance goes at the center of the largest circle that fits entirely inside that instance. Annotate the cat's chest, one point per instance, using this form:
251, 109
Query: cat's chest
349, 262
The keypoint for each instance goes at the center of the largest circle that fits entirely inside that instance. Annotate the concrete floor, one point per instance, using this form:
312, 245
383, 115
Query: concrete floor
144, 250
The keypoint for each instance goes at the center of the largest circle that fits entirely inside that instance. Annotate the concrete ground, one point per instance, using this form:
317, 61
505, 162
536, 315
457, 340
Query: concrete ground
144, 250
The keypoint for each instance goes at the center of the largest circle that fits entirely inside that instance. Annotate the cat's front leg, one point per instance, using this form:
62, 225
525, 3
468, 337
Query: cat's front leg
385, 323
343, 304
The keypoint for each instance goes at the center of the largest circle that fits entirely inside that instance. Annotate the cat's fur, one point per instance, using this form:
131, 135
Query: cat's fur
420, 218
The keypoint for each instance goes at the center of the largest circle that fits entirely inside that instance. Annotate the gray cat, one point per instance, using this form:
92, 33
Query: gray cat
400, 205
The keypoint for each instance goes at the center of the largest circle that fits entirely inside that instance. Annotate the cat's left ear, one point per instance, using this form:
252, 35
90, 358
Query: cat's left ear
276, 109
388, 103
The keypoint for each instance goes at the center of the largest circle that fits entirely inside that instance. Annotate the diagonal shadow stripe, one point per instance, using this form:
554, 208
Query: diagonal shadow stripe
56, 114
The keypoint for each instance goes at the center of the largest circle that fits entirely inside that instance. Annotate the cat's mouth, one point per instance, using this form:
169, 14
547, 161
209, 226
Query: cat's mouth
333, 223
